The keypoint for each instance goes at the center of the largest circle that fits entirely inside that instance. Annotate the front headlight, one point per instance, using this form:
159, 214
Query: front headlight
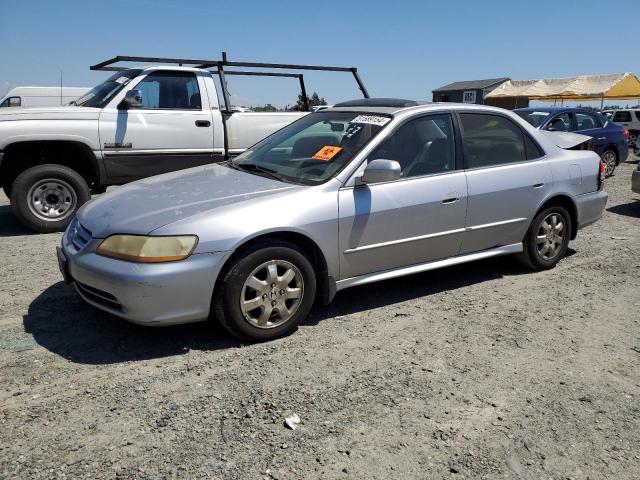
137, 248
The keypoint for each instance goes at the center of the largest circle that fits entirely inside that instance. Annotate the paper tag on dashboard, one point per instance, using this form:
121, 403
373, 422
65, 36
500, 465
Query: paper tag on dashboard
327, 153
371, 120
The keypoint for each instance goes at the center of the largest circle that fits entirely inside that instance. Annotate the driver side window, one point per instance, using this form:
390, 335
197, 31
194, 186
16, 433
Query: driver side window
169, 90
422, 146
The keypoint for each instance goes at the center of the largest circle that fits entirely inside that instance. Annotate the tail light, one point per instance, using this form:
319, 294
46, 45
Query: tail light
602, 174
626, 134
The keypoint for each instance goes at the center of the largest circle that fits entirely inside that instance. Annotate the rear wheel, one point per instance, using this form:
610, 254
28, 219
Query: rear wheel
547, 239
46, 197
610, 159
266, 292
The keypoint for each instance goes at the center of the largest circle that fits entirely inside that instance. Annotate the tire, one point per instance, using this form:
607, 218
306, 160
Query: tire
534, 255
610, 159
265, 322
46, 197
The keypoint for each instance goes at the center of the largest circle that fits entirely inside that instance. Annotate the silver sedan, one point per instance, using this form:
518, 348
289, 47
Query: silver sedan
360, 192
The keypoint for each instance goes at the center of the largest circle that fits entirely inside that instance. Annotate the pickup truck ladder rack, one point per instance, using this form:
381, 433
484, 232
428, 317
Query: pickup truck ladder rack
108, 65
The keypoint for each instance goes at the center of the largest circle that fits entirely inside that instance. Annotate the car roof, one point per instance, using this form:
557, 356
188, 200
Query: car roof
395, 106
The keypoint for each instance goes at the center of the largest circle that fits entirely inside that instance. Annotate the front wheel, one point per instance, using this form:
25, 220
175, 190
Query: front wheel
46, 197
266, 292
547, 239
610, 159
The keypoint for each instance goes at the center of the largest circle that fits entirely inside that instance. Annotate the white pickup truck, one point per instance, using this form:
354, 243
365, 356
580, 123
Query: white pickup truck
138, 123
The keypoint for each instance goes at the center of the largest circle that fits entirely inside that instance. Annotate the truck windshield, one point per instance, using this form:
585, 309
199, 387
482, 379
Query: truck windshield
100, 95
312, 149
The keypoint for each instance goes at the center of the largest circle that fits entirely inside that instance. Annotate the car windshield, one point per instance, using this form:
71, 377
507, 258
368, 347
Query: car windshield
313, 149
100, 95
533, 117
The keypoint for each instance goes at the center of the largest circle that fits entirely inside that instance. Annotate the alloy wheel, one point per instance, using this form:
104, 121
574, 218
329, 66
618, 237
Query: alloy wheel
609, 159
271, 294
550, 236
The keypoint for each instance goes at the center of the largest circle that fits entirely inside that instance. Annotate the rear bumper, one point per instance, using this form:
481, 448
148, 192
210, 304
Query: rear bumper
590, 207
635, 181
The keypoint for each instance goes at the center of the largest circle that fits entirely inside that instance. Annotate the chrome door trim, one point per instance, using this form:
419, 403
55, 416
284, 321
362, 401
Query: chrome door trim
423, 267
432, 235
495, 224
168, 151
403, 240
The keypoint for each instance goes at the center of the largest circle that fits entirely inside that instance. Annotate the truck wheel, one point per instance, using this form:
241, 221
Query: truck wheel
266, 292
46, 197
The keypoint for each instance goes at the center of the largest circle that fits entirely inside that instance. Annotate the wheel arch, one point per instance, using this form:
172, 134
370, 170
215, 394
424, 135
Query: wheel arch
565, 201
22, 155
326, 286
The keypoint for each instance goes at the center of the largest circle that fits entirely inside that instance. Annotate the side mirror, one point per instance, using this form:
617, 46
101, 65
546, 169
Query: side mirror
380, 170
132, 99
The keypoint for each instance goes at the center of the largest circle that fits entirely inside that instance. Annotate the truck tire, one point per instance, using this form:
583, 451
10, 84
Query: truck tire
46, 197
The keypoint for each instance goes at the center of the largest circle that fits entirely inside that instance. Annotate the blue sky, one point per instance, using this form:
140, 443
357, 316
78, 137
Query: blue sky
402, 48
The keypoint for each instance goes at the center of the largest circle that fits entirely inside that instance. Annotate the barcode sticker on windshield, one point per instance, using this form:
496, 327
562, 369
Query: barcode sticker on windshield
371, 119
327, 153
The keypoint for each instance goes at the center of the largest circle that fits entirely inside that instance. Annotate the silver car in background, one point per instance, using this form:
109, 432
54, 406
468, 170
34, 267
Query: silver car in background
364, 191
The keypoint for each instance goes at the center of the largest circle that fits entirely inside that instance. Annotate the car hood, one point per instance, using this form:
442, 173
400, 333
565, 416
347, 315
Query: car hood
146, 205
49, 113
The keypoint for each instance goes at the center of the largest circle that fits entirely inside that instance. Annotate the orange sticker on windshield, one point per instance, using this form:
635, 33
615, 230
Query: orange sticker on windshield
327, 153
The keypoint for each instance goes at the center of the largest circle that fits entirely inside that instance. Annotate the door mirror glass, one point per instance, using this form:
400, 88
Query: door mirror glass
381, 170
132, 99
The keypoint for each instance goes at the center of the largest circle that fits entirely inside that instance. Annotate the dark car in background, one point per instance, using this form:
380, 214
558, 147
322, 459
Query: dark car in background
610, 140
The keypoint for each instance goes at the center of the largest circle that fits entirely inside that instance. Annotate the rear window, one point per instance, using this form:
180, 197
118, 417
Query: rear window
637, 115
491, 140
622, 116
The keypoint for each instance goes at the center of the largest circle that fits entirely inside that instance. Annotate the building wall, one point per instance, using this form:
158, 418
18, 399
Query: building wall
457, 96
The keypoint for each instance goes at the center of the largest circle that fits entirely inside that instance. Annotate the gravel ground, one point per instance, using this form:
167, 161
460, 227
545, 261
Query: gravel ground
479, 371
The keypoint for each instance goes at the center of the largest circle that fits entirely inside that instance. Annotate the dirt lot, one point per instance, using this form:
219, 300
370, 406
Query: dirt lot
477, 371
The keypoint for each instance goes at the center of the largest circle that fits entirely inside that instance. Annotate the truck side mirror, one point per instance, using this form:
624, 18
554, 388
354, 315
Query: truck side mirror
132, 99
380, 170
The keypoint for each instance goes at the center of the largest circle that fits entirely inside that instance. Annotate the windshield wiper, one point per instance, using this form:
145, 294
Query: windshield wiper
252, 167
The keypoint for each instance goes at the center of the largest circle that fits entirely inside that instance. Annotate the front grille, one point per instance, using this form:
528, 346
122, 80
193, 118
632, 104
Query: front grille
78, 235
99, 296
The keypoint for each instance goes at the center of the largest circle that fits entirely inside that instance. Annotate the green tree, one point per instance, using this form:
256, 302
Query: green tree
266, 108
314, 101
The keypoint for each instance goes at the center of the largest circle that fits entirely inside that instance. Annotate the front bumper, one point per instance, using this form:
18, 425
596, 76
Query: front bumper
590, 207
635, 181
149, 294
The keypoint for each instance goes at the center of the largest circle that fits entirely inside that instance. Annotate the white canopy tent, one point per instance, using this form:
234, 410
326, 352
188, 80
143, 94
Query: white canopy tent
616, 86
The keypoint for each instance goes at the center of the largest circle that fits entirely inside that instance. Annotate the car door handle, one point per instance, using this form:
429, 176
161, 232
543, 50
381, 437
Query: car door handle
447, 201
538, 185
203, 123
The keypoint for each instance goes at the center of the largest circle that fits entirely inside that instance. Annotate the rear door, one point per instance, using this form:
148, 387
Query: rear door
508, 178
589, 124
171, 130
415, 219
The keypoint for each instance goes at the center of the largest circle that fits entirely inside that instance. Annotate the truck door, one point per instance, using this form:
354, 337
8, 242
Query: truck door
170, 131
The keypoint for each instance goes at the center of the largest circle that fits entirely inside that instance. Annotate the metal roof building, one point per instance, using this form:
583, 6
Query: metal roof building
469, 91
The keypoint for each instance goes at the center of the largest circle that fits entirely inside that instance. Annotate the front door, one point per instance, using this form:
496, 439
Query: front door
415, 219
171, 130
508, 178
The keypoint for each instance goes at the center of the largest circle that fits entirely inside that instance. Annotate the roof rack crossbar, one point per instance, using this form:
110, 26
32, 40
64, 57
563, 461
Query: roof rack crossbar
108, 66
